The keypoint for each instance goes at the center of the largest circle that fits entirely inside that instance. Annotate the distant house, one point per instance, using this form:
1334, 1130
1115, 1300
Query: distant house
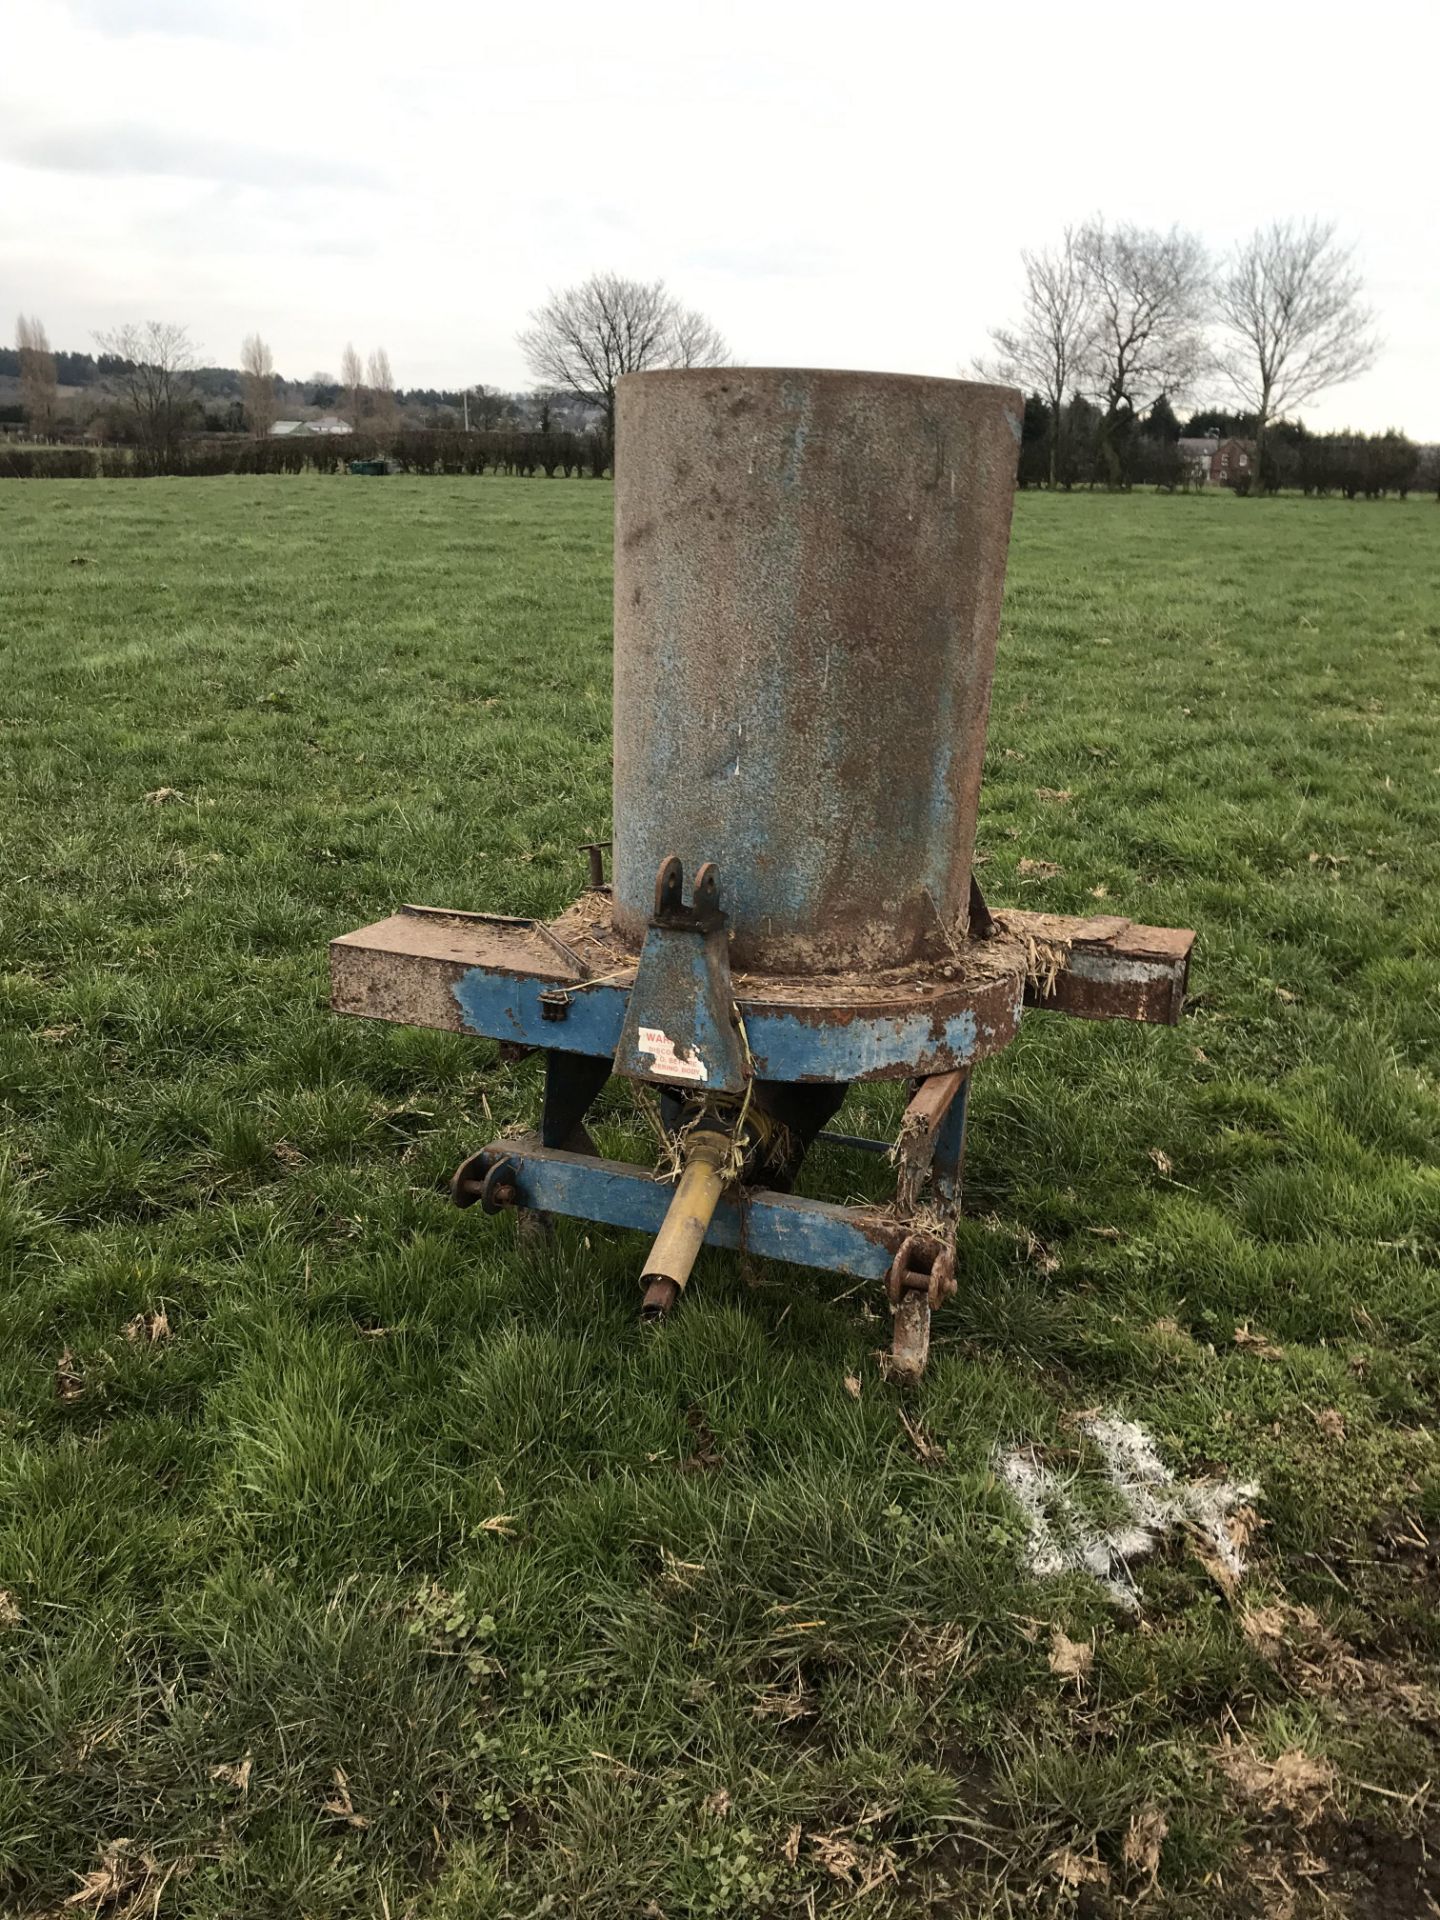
1197, 453
1224, 463
327, 423
1230, 462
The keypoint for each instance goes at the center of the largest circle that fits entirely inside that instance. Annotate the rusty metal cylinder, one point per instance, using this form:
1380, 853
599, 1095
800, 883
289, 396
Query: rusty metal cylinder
808, 575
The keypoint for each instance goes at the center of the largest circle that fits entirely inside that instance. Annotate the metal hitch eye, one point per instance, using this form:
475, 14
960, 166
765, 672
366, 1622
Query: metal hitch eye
921, 1267
468, 1180
500, 1188
493, 1182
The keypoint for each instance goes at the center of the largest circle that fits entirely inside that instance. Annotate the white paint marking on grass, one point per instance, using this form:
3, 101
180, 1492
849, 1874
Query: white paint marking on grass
1065, 1539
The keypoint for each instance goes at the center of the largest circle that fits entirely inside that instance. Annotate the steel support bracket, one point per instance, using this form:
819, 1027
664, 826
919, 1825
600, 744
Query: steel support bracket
681, 1027
932, 1141
921, 1278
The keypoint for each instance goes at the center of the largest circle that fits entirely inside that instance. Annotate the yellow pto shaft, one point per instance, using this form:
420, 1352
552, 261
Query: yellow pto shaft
682, 1235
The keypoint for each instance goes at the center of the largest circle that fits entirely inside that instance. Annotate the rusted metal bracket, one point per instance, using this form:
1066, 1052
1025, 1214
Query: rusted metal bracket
680, 1023
487, 1176
931, 1105
921, 1278
595, 852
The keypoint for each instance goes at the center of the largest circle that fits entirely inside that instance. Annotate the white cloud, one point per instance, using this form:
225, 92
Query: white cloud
837, 185
191, 19
128, 149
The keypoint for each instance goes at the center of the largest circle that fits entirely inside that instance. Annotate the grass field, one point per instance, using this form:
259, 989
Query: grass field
357, 1560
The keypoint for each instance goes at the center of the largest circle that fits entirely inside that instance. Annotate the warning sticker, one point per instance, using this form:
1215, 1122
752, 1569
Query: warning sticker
655, 1041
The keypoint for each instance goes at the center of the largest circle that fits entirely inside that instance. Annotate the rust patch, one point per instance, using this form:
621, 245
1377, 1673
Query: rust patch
403, 968
1111, 969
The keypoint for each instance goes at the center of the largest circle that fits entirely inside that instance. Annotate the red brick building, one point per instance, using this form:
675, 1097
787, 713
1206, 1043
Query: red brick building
1231, 462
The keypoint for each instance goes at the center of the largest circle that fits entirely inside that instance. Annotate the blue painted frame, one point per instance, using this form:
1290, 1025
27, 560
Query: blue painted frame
778, 1226
785, 1043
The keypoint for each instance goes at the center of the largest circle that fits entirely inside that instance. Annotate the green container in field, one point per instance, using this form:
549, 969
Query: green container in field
369, 466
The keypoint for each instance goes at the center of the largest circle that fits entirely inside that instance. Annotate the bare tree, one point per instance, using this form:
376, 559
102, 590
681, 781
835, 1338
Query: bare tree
696, 341
483, 405
383, 409
257, 372
153, 385
38, 392
352, 379
585, 339
1290, 305
1149, 296
1046, 352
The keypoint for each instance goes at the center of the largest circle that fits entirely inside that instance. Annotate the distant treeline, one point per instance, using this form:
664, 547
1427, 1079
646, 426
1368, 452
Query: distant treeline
217, 384
1147, 451
71, 369
414, 450
1356, 465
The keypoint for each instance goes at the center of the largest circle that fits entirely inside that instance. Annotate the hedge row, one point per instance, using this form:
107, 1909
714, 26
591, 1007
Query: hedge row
416, 450
1353, 464
1350, 463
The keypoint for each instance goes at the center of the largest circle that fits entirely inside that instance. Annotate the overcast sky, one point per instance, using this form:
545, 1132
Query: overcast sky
835, 185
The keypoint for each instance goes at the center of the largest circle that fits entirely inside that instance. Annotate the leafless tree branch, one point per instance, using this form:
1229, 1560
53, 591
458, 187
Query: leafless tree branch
1149, 291
1048, 349
1291, 307
257, 374
586, 338
38, 391
352, 379
382, 410
696, 341
153, 383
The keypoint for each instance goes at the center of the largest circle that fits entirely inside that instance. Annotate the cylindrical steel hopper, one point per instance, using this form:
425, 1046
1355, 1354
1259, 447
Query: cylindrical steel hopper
808, 574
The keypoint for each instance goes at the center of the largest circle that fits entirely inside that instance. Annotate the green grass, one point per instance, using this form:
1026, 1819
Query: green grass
734, 1645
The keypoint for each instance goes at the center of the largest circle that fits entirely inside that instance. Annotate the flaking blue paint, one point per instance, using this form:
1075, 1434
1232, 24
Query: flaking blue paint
501, 1007
801, 670
784, 1047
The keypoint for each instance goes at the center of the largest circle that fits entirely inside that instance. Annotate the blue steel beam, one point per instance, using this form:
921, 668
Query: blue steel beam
785, 1043
779, 1226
